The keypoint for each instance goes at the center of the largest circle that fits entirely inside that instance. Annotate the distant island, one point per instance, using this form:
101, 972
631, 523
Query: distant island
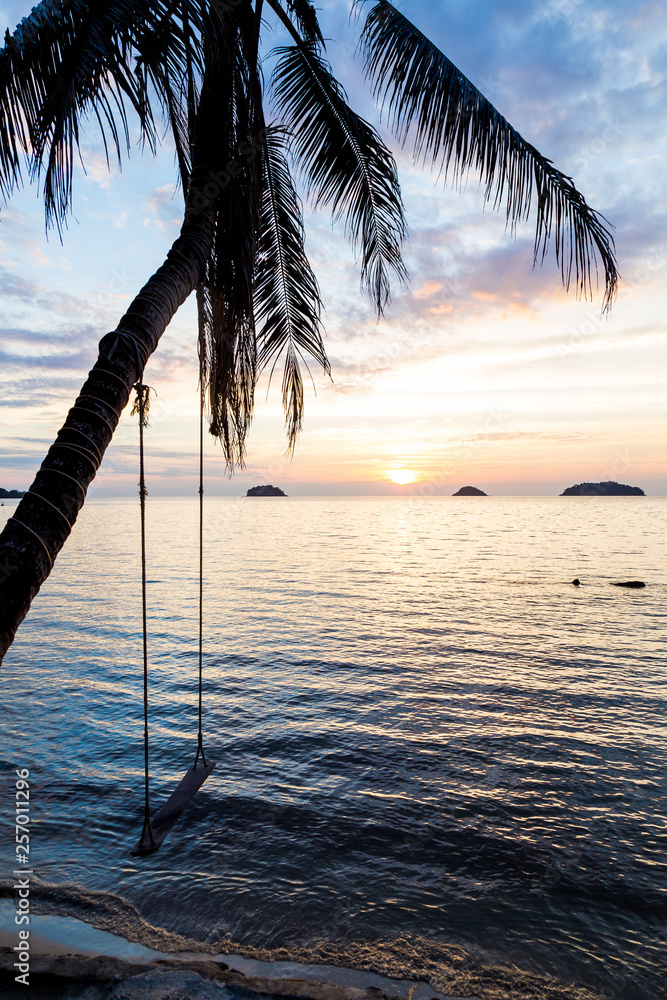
265, 491
469, 491
11, 494
607, 489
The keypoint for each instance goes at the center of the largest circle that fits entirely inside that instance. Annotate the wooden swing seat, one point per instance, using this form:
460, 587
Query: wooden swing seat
167, 816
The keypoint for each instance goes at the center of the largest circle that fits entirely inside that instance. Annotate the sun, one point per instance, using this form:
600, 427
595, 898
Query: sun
402, 476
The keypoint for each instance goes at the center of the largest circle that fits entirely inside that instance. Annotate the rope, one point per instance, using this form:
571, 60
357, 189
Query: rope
39, 539
141, 352
85, 409
96, 371
60, 472
98, 399
76, 430
143, 320
80, 451
30, 493
141, 406
200, 740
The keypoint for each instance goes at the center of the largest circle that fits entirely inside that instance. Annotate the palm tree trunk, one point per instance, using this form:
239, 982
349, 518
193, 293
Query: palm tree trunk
43, 519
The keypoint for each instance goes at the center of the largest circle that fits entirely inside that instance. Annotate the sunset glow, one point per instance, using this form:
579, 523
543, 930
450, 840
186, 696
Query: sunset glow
332, 448
482, 371
402, 476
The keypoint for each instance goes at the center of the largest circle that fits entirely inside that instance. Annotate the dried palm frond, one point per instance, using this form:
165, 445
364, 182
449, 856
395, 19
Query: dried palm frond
287, 297
228, 138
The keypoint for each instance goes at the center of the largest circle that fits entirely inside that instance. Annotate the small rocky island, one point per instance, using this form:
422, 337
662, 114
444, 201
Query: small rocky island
607, 489
265, 491
469, 491
10, 494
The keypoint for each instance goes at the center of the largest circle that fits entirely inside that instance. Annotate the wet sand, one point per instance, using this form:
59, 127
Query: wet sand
72, 959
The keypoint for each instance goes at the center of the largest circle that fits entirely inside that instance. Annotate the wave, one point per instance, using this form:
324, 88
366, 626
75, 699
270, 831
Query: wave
329, 967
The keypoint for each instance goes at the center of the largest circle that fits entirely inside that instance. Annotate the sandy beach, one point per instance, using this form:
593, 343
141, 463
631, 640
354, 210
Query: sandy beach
69, 958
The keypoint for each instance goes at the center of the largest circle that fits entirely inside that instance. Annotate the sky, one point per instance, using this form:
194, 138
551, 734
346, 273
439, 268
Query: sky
483, 371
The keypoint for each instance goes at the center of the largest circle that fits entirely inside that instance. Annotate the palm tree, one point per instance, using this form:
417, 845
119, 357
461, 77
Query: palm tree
241, 246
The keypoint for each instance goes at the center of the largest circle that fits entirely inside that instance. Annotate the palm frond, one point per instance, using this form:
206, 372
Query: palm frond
460, 130
67, 62
287, 297
229, 127
162, 55
305, 16
228, 366
346, 165
173, 94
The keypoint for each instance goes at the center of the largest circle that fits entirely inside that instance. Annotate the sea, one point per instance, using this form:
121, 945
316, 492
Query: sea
437, 758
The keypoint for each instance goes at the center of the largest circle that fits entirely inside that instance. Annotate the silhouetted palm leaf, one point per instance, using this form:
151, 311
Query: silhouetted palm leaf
346, 164
241, 245
305, 16
460, 130
162, 59
109, 59
67, 62
229, 126
287, 298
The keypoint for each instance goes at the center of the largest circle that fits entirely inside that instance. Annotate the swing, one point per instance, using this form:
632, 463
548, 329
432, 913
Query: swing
157, 827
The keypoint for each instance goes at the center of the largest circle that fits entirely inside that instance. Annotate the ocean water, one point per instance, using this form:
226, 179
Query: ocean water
436, 758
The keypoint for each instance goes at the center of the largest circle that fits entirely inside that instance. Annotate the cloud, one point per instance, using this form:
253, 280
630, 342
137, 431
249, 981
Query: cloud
584, 81
121, 220
52, 392
97, 170
51, 360
428, 289
13, 286
164, 207
532, 435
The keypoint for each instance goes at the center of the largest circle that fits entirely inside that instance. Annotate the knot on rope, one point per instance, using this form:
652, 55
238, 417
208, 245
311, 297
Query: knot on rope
142, 402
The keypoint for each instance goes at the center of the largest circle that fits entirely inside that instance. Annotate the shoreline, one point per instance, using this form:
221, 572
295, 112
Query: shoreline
71, 959
66, 948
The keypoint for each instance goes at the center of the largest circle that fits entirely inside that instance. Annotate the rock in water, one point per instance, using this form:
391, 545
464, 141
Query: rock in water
469, 491
607, 489
265, 491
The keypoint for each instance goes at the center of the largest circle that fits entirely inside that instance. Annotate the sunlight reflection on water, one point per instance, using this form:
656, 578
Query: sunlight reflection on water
422, 729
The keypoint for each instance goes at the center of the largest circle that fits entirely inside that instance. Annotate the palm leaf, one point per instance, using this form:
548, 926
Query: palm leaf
229, 121
163, 52
460, 130
66, 62
287, 298
346, 165
305, 16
